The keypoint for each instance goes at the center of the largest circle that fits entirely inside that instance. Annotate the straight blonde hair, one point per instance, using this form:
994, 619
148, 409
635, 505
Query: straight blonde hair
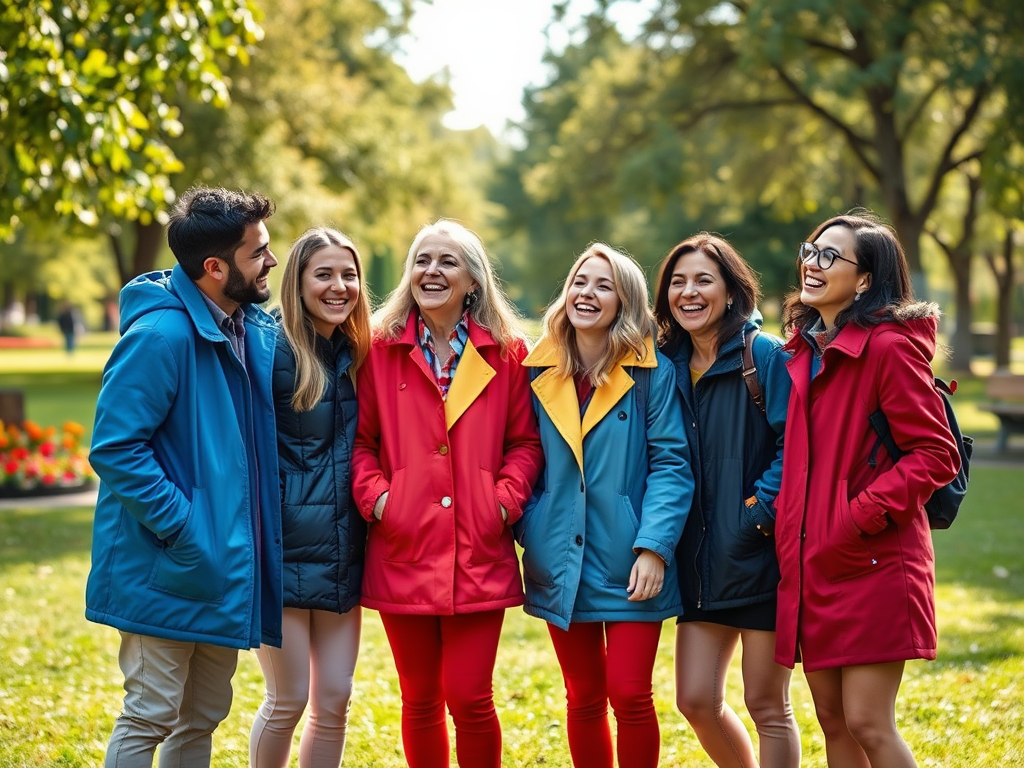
310, 374
491, 309
633, 325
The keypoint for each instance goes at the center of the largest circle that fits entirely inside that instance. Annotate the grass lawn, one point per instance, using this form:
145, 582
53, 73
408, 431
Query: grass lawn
60, 685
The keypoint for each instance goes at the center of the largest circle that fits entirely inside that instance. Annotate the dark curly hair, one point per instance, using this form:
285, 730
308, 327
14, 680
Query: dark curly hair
209, 222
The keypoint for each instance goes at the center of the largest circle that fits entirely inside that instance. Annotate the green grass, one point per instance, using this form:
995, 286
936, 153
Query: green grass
60, 685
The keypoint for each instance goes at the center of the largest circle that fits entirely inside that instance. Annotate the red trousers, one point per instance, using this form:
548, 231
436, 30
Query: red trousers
447, 660
610, 662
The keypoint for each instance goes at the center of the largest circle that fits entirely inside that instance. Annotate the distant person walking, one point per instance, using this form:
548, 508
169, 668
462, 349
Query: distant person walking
186, 555
71, 325
324, 338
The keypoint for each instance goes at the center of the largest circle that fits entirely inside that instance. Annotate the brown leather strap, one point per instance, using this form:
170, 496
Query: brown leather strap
750, 370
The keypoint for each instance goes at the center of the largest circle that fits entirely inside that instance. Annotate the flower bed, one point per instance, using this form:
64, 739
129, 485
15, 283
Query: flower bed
38, 461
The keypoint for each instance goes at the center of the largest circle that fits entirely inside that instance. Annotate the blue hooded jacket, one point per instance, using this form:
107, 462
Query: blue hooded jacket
187, 532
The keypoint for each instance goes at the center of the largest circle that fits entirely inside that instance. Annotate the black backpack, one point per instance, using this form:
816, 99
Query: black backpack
945, 502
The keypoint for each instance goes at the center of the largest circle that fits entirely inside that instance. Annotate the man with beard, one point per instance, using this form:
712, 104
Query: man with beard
186, 555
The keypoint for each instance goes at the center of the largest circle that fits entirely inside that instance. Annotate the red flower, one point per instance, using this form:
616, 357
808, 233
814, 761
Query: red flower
19, 454
11, 467
46, 449
49, 478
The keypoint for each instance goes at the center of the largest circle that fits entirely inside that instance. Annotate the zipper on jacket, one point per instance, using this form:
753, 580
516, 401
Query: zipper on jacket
700, 504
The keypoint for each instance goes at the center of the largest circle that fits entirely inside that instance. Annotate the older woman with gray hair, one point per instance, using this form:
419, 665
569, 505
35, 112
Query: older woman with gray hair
446, 455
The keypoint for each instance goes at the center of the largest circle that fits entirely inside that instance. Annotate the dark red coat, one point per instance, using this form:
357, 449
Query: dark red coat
854, 546
441, 546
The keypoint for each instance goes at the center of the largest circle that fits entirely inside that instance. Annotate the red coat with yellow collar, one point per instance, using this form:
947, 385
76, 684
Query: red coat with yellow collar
853, 542
441, 546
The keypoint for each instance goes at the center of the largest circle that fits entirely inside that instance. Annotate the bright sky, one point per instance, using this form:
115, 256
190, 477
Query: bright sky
492, 48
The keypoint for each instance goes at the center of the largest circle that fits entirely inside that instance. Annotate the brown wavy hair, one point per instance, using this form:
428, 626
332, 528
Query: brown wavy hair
741, 283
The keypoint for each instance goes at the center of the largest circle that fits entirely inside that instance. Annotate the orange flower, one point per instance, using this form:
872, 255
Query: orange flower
34, 431
73, 428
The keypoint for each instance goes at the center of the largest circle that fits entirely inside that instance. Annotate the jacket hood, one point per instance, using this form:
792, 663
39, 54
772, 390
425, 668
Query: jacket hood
919, 322
173, 289
146, 293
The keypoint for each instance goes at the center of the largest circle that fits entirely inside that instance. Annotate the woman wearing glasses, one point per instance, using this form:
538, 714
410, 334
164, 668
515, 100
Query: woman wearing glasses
705, 307
856, 597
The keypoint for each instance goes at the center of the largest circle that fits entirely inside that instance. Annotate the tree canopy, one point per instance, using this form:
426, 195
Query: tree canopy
87, 99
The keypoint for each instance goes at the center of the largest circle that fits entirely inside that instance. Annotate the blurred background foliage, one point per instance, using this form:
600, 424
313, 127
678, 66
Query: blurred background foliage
753, 118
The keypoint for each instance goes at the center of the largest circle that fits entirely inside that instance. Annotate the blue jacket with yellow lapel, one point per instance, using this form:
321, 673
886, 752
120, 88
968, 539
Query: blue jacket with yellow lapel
611, 486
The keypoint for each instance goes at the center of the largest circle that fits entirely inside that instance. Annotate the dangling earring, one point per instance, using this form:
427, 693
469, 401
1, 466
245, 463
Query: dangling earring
857, 297
470, 299
728, 306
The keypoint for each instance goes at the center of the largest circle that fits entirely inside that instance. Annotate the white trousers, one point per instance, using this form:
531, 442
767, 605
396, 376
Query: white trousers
314, 665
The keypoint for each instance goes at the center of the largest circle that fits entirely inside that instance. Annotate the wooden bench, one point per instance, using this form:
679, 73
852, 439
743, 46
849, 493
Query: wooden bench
1006, 393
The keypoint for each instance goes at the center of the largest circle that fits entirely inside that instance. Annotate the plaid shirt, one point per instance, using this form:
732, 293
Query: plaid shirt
457, 340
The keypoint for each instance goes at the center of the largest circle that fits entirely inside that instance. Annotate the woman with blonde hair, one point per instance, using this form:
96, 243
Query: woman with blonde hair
599, 533
324, 338
446, 454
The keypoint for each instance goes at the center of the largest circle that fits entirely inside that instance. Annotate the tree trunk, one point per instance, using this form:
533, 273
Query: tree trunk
962, 342
148, 239
146, 248
1006, 278
909, 228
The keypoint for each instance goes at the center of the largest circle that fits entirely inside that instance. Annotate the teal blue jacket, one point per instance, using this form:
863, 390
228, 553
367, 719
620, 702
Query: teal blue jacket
187, 531
611, 486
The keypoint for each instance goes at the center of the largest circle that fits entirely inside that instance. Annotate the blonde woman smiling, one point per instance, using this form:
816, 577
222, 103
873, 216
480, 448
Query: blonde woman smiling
325, 336
600, 531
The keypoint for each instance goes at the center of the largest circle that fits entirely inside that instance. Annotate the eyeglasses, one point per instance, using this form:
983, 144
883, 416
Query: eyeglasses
824, 257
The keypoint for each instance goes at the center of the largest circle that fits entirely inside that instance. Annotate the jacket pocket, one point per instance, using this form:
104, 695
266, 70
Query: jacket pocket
537, 555
620, 556
399, 523
847, 554
189, 567
488, 528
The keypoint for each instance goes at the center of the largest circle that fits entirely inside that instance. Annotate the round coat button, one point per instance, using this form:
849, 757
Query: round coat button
443, 450
446, 502
622, 415
402, 385
579, 541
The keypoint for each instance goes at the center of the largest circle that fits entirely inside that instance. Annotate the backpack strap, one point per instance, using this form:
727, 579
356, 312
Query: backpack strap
750, 370
641, 386
880, 424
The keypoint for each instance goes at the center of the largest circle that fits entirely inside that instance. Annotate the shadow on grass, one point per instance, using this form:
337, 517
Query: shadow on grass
43, 535
966, 646
985, 547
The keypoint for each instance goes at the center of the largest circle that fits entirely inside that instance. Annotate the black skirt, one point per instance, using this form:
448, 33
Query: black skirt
759, 616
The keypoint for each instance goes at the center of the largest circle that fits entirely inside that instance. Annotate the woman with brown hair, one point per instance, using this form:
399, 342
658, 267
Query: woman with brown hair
705, 305
856, 597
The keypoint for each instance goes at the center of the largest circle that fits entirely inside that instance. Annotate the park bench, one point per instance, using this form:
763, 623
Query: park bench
1005, 392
